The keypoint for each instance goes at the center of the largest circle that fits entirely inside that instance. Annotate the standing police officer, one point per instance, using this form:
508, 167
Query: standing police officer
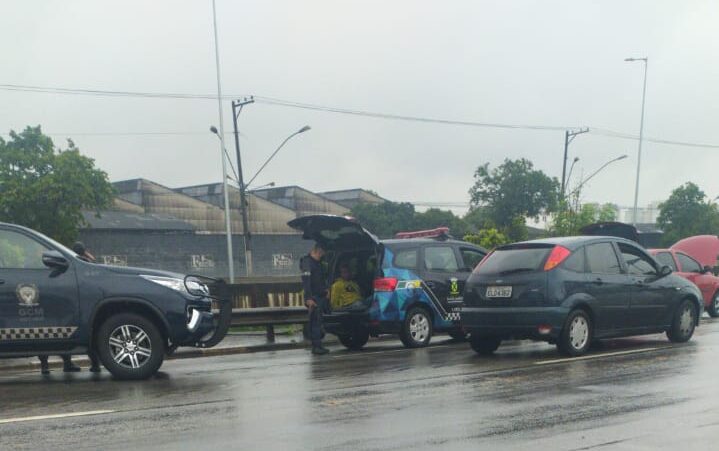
315, 287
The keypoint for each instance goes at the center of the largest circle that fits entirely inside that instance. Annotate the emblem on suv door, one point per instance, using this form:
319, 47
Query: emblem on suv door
27, 294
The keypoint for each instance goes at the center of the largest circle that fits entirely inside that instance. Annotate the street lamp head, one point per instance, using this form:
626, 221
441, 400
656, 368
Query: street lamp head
304, 129
635, 59
576, 159
623, 157
213, 129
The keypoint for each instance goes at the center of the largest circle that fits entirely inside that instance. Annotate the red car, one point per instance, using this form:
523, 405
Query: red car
691, 269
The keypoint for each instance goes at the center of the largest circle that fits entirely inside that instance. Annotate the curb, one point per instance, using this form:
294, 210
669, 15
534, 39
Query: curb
189, 353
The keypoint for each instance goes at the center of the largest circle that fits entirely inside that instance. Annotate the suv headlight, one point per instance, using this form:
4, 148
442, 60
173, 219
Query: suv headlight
169, 282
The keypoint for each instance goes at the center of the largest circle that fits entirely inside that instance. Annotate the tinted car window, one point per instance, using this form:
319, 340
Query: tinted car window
601, 259
18, 251
575, 262
438, 258
406, 258
638, 263
688, 264
515, 259
471, 257
666, 259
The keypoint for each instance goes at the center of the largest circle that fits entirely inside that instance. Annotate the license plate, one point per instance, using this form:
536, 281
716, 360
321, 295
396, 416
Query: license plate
499, 292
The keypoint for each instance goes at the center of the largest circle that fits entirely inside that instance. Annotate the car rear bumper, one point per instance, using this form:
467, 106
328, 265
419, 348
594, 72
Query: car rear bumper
344, 322
521, 322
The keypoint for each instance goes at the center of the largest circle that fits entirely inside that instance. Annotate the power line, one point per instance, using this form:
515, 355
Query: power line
308, 106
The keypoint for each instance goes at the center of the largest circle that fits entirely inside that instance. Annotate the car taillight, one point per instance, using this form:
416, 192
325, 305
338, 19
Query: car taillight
556, 257
385, 284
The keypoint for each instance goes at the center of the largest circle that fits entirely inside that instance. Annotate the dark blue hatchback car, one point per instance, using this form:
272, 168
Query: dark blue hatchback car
570, 291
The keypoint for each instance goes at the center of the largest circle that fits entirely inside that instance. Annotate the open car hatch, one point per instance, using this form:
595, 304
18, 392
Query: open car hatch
618, 229
334, 232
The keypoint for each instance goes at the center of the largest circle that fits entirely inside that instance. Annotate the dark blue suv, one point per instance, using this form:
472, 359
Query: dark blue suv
53, 301
410, 286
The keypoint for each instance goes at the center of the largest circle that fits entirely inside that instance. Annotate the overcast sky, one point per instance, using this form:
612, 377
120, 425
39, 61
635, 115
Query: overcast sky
556, 63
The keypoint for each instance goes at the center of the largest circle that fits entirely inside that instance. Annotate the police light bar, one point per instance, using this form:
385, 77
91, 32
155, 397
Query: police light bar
432, 233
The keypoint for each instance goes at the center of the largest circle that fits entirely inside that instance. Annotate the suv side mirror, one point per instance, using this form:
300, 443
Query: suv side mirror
665, 271
55, 260
707, 269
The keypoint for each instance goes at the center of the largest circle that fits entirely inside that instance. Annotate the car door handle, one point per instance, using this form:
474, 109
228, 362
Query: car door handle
2, 282
598, 281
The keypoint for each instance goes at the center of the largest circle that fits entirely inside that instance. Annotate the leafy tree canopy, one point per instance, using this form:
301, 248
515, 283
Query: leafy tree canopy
512, 192
569, 220
46, 188
686, 213
487, 238
388, 218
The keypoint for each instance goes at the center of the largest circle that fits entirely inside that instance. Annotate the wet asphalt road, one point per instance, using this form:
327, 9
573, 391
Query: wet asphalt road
640, 394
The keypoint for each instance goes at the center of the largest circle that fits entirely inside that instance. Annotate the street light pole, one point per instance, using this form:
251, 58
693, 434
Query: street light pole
236, 110
571, 168
581, 184
221, 134
641, 136
568, 138
302, 130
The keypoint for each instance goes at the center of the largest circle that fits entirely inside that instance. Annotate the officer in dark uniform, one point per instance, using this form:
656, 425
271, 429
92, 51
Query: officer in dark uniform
315, 288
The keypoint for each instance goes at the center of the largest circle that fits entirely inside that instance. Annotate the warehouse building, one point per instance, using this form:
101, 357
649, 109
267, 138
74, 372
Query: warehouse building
350, 197
183, 229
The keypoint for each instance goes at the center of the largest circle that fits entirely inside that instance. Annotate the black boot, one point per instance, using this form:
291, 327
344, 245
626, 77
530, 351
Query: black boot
44, 367
319, 350
68, 366
94, 364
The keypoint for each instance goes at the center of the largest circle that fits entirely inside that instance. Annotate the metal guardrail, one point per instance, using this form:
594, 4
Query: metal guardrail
269, 317
267, 301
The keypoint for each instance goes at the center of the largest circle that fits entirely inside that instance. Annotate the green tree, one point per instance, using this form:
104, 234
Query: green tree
687, 212
487, 238
569, 220
47, 188
388, 218
512, 192
435, 217
385, 219
476, 218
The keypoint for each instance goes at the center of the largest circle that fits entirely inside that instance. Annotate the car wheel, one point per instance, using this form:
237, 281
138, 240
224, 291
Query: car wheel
484, 345
713, 308
683, 324
356, 340
576, 336
130, 346
417, 328
458, 334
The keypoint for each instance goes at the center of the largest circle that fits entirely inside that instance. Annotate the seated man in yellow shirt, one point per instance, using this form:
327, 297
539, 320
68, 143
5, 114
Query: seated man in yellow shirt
344, 291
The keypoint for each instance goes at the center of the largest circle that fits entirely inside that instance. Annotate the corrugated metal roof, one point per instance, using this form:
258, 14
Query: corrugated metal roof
120, 220
301, 201
264, 217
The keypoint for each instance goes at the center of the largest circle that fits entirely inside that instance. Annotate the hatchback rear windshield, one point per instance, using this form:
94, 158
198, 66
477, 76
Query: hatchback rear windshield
515, 259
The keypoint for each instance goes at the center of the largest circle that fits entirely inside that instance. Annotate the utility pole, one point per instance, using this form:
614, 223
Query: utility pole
568, 138
641, 136
228, 224
236, 110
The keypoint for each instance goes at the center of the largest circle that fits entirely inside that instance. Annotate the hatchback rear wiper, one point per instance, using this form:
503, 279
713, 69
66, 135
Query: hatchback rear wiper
515, 270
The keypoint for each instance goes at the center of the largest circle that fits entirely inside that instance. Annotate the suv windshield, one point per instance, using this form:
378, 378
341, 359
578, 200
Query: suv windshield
514, 259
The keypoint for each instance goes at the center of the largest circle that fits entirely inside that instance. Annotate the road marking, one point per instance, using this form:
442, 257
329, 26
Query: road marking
598, 356
59, 415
